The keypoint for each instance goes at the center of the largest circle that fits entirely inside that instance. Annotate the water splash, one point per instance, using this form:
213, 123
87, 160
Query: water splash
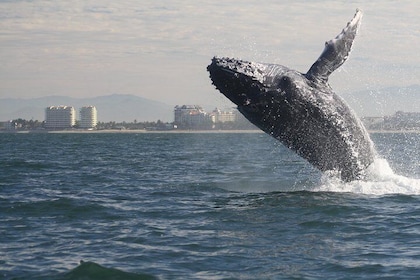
381, 180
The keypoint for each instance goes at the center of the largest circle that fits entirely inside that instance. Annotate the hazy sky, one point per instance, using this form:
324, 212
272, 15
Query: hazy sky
159, 49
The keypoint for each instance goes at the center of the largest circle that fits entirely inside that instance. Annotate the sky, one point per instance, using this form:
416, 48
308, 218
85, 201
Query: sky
159, 49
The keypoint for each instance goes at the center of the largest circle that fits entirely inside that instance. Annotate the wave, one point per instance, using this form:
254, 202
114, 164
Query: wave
381, 180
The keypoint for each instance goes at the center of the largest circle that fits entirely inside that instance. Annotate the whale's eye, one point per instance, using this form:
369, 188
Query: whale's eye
284, 82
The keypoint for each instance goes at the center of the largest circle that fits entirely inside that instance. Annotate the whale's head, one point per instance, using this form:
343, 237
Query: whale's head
257, 88
240, 81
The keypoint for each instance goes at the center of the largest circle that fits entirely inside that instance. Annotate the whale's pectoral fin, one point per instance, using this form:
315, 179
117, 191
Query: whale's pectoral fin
336, 51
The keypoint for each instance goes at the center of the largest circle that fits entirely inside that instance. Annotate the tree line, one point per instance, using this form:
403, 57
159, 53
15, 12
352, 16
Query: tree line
22, 124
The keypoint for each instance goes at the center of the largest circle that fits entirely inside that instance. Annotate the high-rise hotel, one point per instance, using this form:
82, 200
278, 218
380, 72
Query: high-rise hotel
88, 117
60, 117
64, 117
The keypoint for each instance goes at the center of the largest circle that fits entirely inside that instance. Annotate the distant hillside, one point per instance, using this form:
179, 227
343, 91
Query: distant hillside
116, 107
123, 107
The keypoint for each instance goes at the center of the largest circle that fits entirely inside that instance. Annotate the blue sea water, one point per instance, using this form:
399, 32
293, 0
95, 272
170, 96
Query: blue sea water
202, 206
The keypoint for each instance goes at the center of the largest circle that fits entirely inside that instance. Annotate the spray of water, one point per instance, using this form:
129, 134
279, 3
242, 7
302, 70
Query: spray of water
381, 180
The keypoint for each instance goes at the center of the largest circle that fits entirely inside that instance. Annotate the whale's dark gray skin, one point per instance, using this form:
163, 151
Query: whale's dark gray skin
301, 110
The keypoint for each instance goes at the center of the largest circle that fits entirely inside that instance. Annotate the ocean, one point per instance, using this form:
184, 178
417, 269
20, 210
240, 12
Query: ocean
202, 206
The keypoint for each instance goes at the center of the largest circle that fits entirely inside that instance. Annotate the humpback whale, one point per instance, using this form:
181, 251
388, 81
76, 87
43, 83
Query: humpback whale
301, 110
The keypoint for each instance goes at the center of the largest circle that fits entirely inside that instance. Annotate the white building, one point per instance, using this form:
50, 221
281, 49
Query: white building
219, 116
191, 116
88, 117
8, 125
60, 117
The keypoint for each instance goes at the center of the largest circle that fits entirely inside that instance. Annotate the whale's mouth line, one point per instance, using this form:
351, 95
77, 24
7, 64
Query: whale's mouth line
238, 74
228, 70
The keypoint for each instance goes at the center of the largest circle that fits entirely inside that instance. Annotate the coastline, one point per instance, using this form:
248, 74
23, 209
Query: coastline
130, 131
175, 131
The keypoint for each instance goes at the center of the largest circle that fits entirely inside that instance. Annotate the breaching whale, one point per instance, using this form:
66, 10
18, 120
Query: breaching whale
301, 110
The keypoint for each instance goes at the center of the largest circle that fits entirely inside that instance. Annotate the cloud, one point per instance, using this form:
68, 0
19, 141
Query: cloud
82, 48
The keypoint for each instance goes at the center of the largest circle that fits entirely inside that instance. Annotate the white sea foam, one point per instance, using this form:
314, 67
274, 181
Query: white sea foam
381, 180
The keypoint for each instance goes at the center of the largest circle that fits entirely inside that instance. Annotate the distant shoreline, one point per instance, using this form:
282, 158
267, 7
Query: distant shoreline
167, 131
130, 131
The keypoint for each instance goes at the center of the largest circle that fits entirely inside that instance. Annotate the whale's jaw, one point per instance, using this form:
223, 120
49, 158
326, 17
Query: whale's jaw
242, 81
231, 79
